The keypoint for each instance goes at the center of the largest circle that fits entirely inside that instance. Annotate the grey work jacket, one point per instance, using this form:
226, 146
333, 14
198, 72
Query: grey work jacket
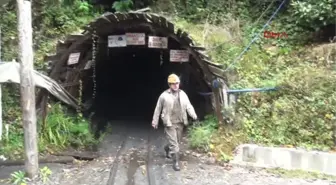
166, 104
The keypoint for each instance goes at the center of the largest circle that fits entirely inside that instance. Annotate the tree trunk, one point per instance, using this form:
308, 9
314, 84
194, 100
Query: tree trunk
27, 86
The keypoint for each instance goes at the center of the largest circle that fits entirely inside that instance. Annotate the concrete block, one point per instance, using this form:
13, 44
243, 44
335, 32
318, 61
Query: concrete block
286, 158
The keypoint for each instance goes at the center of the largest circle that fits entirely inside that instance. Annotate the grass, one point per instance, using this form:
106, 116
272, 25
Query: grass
218, 141
300, 174
60, 132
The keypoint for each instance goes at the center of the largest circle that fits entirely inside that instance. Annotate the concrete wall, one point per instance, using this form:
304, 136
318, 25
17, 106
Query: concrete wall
286, 158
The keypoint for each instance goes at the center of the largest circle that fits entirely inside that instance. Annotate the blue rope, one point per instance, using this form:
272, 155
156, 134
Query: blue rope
242, 90
255, 37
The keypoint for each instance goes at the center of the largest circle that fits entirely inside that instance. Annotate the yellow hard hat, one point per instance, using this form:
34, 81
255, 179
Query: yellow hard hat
173, 78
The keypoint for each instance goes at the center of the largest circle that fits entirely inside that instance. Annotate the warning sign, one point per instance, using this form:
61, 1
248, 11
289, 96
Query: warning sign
73, 58
157, 42
136, 38
179, 56
117, 41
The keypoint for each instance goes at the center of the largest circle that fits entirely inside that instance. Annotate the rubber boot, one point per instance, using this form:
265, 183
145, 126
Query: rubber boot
168, 155
176, 162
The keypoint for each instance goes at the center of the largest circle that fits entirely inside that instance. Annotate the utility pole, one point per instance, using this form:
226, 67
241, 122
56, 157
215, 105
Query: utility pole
27, 86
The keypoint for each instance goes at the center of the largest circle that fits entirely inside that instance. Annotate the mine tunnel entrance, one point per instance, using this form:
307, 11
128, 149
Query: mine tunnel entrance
129, 81
123, 82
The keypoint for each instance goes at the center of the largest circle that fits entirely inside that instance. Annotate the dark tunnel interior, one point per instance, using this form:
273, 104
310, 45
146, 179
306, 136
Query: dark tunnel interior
129, 81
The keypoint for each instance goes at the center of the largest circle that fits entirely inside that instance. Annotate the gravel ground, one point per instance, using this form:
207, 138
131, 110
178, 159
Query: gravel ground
96, 173
193, 172
132, 168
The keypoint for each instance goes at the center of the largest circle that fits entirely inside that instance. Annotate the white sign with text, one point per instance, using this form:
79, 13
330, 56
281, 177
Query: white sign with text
73, 58
179, 56
117, 41
157, 42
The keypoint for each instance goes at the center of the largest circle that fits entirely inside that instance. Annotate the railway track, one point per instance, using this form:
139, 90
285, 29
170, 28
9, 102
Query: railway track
116, 165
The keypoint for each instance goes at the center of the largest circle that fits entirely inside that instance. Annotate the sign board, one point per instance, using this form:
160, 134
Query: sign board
179, 56
73, 58
136, 38
157, 42
117, 41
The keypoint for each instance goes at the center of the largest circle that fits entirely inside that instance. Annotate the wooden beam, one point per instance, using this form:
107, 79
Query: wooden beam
218, 108
27, 86
0, 114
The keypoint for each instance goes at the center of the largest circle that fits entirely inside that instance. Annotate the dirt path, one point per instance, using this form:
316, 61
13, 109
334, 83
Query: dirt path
129, 144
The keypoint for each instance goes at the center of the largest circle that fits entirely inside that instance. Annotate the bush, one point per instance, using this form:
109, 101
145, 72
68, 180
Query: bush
301, 113
60, 131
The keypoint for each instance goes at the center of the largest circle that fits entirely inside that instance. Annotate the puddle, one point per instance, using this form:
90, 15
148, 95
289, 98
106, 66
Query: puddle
132, 168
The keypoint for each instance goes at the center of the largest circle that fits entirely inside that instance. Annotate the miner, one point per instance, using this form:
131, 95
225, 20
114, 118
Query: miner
173, 106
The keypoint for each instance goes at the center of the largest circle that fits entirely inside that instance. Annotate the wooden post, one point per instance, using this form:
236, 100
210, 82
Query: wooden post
0, 95
218, 107
27, 86
0, 114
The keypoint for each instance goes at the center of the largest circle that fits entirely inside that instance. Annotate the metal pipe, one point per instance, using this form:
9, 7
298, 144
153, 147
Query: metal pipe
252, 90
242, 91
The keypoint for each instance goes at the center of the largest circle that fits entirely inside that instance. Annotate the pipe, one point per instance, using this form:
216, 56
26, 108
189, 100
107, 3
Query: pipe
242, 91
252, 90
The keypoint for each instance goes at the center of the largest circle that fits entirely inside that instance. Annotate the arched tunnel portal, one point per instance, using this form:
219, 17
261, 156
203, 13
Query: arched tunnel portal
119, 66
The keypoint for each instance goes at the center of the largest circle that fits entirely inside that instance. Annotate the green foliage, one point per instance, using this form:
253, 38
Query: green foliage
18, 178
302, 112
305, 106
63, 130
216, 141
123, 5
45, 172
52, 20
60, 131
200, 135
314, 14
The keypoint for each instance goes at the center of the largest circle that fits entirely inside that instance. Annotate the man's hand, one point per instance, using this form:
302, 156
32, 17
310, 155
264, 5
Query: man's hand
155, 126
195, 121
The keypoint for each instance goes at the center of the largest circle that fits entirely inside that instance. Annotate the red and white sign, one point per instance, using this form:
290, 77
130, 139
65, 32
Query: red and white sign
157, 42
179, 56
136, 38
73, 58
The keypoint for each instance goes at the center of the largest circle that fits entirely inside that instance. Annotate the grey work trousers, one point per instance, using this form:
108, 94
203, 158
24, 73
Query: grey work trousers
174, 136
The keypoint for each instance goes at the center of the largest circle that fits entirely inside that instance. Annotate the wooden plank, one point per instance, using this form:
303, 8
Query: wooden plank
179, 32
121, 16
100, 22
170, 27
199, 48
112, 18
216, 71
163, 22
156, 20
27, 86
0, 111
225, 95
218, 108
135, 16
203, 55
62, 46
213, 63
185, 36
51, 58
72, 38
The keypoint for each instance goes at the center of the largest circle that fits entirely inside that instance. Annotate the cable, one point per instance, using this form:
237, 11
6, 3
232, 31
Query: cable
255, 37
269, 6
